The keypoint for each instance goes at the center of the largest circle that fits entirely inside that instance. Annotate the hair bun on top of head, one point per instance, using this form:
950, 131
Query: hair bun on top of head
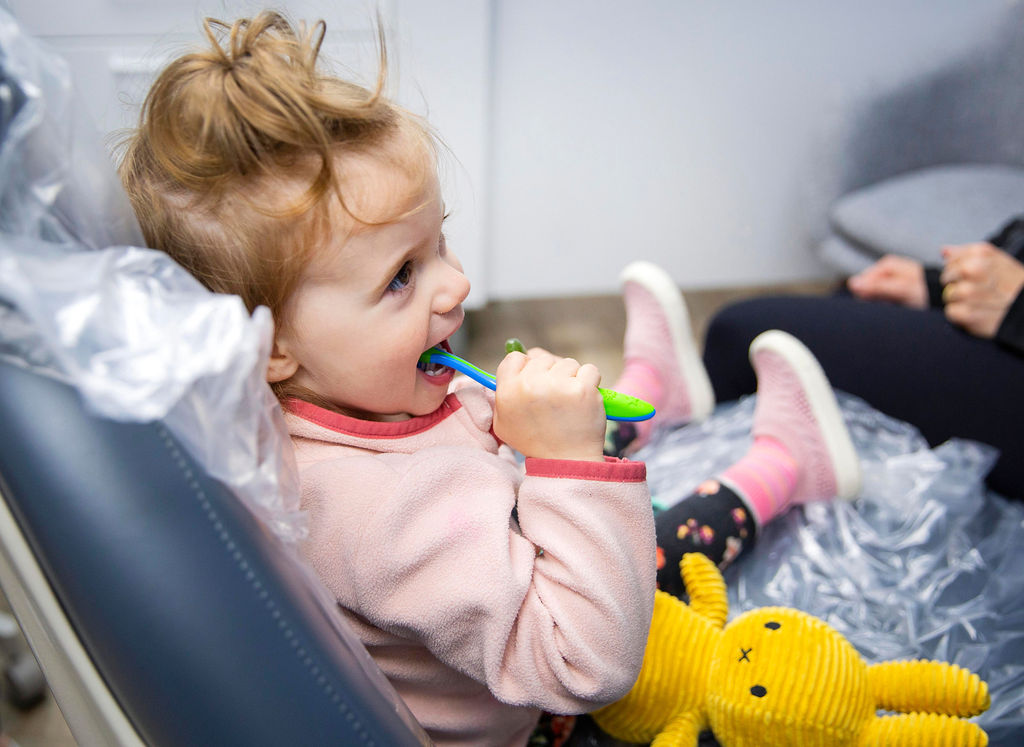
246, 36
250, 101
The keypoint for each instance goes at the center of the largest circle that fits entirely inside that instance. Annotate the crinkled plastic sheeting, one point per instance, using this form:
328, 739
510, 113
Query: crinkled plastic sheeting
137, 336
926, 563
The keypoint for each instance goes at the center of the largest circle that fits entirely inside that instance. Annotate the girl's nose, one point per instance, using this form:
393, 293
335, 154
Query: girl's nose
452, 289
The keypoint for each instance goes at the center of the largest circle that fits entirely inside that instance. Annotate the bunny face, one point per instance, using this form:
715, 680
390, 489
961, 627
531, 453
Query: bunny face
776, 667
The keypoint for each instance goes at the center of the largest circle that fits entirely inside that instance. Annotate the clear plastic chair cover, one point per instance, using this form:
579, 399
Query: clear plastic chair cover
135, 334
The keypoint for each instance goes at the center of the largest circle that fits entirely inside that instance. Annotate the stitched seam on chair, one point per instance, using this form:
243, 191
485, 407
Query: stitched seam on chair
272, 607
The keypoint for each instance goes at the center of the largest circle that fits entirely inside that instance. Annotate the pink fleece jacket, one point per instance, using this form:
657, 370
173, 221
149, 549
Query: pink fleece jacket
480, 621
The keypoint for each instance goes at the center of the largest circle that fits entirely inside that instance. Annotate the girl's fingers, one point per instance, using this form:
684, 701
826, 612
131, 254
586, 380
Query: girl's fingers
512, 364
540, 359
588, 373
566, 366
539, 353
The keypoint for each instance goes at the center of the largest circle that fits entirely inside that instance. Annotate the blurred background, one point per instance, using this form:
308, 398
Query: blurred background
710, 137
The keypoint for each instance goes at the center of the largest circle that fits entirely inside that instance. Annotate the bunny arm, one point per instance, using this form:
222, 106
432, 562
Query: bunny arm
927, 686
683, 731
706, 588
922, 730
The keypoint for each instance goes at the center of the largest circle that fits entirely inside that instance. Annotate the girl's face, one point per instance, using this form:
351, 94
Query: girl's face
370, 303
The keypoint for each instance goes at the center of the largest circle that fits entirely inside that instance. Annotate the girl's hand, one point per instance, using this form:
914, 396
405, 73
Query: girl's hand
549, 407
981, 281
892, 278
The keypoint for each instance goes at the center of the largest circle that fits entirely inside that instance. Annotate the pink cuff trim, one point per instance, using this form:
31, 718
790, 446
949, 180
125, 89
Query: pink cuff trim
351, 426
610, 470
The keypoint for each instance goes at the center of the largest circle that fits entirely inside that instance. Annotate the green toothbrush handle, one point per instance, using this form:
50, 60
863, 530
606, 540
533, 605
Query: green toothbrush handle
617, 406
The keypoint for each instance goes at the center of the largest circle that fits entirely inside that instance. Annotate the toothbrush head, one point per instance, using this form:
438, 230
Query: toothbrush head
618, 406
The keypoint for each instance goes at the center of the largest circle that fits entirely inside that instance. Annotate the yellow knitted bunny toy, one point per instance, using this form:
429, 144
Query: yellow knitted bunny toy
777, 676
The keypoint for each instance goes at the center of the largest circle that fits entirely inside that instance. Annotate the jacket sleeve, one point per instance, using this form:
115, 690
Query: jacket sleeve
1010, 238
550, 612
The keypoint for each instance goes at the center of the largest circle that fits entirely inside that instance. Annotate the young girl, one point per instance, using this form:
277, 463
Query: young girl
487, 592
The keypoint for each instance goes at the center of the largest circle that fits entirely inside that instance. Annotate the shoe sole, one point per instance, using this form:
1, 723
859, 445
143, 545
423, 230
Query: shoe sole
668, 295
824, 406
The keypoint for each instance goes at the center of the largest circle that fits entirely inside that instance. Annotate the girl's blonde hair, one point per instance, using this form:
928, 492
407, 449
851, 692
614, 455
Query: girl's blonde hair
225, 135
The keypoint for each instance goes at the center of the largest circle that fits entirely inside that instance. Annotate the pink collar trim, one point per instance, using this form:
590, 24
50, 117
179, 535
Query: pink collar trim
351, 426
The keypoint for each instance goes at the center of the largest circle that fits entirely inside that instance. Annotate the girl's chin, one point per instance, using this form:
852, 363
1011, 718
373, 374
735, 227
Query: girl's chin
424, 402
431, 400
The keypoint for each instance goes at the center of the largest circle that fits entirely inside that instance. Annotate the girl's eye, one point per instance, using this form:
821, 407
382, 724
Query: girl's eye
401, 279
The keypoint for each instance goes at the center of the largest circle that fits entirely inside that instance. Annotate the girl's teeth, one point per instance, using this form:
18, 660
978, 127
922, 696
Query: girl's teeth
431, 369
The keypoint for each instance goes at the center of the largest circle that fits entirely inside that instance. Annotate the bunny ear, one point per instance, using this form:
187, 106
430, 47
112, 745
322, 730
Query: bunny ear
913, 729
706, 588
927, 686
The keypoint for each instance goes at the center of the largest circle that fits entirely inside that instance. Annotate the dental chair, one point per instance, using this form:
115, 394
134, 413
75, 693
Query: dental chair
162, 609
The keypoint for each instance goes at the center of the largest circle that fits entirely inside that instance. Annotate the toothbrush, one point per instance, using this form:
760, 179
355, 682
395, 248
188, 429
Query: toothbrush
617, 406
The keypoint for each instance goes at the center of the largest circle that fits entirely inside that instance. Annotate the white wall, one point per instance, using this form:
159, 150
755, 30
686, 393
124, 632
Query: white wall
439, 62
445, 73
703, 134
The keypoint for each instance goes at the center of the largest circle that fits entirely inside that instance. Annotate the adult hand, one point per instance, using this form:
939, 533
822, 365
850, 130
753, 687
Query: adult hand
892, 278
981, 281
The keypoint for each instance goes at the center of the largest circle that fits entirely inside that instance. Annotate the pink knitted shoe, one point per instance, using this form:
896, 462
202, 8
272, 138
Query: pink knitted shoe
796, 406
662, 364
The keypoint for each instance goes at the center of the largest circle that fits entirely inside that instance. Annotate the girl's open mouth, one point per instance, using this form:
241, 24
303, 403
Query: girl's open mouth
436, 369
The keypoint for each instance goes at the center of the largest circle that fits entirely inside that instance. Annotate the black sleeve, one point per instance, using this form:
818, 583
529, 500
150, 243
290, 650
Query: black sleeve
1010, 238
1011, 330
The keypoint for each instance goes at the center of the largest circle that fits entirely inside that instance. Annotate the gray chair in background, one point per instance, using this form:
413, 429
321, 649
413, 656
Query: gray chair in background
937, 161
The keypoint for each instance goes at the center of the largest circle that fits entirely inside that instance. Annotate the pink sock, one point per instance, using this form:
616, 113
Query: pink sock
765, 477
640, 379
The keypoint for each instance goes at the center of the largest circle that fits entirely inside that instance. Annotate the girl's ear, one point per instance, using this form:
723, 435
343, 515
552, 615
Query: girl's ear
281, 365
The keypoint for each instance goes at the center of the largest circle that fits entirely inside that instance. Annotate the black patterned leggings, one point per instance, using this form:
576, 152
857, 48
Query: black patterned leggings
712, 520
